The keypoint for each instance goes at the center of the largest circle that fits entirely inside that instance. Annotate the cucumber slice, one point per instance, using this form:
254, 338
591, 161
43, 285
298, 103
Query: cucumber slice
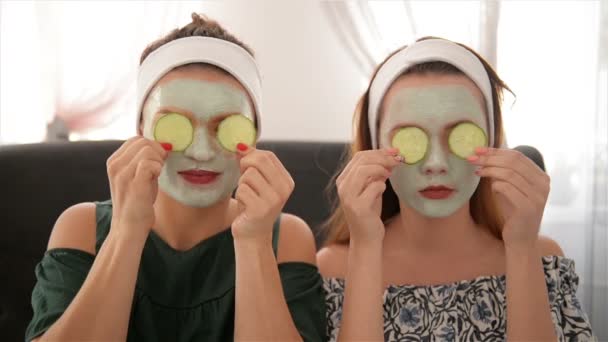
236, 129
465, 137
176, 129
412, 143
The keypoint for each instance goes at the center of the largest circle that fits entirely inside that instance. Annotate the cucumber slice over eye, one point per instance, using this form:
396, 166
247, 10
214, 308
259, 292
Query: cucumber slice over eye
412, 143
176, 129
465, 137
236, 129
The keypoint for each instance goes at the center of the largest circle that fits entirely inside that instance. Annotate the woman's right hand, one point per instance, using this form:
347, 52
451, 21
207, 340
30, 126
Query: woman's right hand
133, 172
360, 188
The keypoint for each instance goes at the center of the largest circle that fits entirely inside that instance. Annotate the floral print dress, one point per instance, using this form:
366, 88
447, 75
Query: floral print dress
470, 310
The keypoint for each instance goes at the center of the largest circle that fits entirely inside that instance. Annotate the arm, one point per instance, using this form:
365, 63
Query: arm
92, 314
261, 312
261, 309
521, 190
360, 188
362, 315
101, 308
528, 310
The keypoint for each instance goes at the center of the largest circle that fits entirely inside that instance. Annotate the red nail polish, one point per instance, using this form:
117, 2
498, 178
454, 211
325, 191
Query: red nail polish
167, 146
241, 147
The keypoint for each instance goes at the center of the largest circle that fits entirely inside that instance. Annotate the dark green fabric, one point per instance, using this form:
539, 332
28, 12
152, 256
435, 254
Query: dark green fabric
179, 296
59, 276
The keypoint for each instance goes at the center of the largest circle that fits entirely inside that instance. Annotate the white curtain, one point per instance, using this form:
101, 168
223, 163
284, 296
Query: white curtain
554, 55
71, 65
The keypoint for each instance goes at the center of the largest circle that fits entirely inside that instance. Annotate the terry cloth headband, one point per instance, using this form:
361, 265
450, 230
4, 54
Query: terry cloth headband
223, 54
431, 50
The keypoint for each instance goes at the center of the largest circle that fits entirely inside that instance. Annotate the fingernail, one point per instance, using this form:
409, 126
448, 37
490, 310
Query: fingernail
478, 171
242, 147
473, 158
167, 146
400, 159
481, 150
393, 151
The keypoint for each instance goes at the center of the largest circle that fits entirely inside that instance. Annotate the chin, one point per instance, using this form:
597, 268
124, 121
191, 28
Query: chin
436, 210
196, 199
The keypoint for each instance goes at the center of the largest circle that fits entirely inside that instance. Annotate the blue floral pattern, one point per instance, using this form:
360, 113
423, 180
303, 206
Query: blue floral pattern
470, 310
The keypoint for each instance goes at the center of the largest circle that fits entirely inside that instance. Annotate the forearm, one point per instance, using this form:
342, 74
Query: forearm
101, 309
362, 315
528, 309
261, 312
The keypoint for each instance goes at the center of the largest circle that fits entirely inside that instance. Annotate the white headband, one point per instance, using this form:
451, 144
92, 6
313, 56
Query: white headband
223, 54
431, 50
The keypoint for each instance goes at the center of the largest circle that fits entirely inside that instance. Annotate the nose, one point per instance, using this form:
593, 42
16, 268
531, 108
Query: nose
202, 147
436, 162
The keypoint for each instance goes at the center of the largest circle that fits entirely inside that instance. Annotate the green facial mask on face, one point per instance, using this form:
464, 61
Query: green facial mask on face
206, 100
435, 110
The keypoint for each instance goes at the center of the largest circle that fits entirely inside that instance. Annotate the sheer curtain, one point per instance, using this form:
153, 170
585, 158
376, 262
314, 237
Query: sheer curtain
554, 55
71, 65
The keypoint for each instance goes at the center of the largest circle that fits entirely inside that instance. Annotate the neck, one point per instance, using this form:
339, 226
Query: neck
415, 233
182, 226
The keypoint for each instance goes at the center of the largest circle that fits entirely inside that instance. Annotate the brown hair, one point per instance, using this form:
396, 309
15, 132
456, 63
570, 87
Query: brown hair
483, 207
200, 26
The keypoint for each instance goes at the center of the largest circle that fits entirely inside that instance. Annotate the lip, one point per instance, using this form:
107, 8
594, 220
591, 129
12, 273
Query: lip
199, 177
437, 192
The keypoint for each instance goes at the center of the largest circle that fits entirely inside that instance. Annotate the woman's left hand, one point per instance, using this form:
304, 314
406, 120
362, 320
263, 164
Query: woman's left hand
264, 187
522, 189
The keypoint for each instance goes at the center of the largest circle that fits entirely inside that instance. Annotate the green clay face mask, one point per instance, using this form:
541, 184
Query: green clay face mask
436, 110
204, 173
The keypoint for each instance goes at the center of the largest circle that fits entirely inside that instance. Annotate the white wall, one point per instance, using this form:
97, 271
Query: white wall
310, 84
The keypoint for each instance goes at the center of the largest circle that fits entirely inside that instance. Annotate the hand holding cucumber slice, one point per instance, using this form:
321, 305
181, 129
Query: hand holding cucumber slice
236, 129
176, 129
412, 143
465, 137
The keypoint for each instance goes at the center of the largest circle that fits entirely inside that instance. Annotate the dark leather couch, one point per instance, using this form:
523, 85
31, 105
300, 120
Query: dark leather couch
39, 181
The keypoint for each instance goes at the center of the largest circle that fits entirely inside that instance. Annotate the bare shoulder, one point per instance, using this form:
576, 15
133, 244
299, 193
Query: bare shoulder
296, 241
548, 246
333, 260
75, 228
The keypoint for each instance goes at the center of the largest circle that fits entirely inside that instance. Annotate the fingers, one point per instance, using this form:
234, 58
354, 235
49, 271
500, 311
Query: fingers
246, 196
123, 147
536, 178
145, 152
254, 179
506, 158
138, 157
373, 191
264, 185
386, 158
511, 193
125, 154
113, 165
147, 170
507, 175
364, 175
271, 195
286, 175
270, 168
